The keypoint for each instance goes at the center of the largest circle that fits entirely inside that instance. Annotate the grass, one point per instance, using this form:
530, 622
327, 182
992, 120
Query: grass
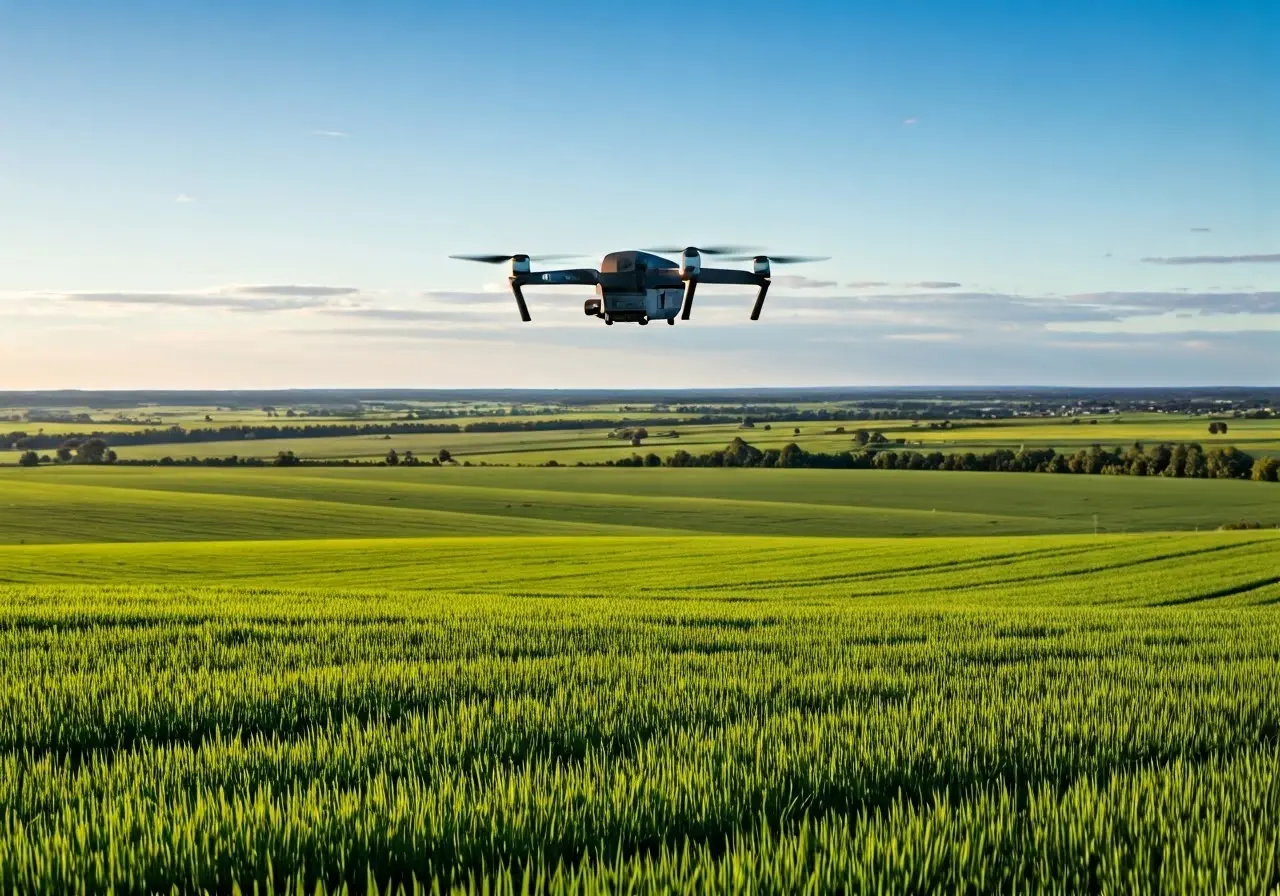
291, 681
681, 714
85, 504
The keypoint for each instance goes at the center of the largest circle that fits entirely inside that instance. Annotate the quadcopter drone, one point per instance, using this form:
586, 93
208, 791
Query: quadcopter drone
640, 285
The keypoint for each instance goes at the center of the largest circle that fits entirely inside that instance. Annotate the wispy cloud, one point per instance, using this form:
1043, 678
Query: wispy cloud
1273, 258
227, 298
183, 197
411, 314
1139, 303
910, 122
934, 284
937, 336
194, 300
471, 298
796, 281
324, 133
1201, 229
866, 284
294, 290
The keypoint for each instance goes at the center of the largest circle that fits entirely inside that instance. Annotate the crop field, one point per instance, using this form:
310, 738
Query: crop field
83, 503
577, 680
594, 445
705, 714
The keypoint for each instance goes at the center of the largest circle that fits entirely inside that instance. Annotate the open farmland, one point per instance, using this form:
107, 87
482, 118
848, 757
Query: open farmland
596, 444
579, 680
684, 714
85, 503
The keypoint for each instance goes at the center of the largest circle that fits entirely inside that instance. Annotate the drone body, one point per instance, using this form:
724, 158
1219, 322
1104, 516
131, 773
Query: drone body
639, 286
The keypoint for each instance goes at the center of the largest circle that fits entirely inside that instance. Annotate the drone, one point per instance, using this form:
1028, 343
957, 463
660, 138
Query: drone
640, 285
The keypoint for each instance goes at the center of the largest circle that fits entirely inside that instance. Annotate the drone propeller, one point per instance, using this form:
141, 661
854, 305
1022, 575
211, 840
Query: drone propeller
781, 259
499, 259
708, 250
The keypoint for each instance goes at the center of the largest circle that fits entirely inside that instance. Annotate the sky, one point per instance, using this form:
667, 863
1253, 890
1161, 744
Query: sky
241, 194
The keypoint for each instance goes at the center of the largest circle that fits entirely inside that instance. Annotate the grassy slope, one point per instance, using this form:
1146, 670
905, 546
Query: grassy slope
1041, 571
151, 504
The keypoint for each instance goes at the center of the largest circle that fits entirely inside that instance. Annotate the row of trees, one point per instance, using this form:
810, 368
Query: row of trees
1180, 461
72, 451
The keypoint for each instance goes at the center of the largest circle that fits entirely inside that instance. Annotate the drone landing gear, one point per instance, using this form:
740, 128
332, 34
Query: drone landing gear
608, 320
671, 321
644, 321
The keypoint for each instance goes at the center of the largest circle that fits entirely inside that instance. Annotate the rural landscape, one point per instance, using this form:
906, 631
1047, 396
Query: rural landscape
670, 447
518, 663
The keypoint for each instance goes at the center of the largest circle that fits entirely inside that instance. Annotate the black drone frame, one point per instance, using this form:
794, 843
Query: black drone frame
688, 275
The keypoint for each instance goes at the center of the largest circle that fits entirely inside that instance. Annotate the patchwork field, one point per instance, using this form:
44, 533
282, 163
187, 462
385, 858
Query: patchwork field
594, 445
433, 680
76, 504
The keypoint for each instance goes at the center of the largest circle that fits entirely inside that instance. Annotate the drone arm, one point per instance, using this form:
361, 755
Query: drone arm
728, 275
580, 276
764, 289
519, 294
690, 287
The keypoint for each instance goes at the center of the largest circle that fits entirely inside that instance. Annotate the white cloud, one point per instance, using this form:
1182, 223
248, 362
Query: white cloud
183, 197
323, 133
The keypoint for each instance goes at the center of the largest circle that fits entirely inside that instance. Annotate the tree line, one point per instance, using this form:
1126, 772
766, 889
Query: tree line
1190, 460
20, 441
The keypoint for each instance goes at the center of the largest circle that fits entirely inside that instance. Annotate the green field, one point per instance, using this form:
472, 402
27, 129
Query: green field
503, 680
708, 714
76, 504
570, 446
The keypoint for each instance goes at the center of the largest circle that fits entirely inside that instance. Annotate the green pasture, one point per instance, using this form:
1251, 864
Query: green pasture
83, 504
1259, 437
680, 714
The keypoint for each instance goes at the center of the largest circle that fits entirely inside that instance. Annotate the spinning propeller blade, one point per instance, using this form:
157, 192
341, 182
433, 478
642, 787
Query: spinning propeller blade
781, 259
707, 250
499, 259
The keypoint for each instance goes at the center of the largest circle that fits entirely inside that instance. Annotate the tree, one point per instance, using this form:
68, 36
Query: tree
392, 458
1214, 427
285, 459
652, 460
444, 456
1267, 469
63, 452
29, 459
861, 437
796, 431
792, 455
409, 459
91, 451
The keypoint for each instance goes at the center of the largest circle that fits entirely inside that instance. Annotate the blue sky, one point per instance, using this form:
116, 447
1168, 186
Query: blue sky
244, 194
